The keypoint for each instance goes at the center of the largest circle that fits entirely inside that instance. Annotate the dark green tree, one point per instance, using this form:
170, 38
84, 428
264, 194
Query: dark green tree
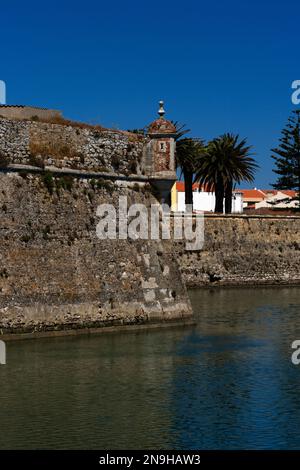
287, 155
226, 161
188, 152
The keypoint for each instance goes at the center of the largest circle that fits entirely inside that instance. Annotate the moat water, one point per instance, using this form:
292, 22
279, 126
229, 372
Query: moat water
227, 383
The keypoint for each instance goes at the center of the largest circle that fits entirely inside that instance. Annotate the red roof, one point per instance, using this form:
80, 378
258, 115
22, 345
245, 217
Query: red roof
253, 194
162, 126
289, 192
196, 186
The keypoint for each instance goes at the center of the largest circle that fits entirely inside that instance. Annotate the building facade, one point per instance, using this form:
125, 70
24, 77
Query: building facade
203, 200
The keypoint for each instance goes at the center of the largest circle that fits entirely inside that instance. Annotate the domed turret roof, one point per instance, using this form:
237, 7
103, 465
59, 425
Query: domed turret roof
161, 125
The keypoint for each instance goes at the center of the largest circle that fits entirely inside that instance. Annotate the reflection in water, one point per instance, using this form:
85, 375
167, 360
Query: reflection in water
226, 383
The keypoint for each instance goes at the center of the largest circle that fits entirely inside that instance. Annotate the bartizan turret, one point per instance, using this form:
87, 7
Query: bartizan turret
160, 154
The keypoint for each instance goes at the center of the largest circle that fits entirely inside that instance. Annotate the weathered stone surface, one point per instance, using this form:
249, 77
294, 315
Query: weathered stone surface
27, 142
28, 112
56, 274
244, 250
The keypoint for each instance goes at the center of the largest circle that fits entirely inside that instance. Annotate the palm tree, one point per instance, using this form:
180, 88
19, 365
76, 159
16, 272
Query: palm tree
188, 152
227, 161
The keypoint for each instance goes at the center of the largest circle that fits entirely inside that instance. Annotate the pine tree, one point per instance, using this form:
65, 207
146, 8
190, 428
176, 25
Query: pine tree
287, 155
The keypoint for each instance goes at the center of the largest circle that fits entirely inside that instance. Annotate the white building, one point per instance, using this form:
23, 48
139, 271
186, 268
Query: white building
203, 200
279, 200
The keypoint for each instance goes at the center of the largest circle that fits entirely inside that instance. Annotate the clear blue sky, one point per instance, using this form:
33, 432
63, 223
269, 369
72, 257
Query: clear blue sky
220, 65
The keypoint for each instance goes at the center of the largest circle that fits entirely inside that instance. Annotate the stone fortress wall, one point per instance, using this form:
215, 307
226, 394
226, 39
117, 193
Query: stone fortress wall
28, 112
56, 275
65, 146
244, 250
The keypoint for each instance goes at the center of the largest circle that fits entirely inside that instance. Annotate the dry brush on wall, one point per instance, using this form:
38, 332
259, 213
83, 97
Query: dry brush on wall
72, 147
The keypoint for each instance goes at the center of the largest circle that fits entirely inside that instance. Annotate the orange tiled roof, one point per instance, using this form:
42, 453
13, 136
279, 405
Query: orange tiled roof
253, 194
180, 187
263, 193
248, 193
289, 192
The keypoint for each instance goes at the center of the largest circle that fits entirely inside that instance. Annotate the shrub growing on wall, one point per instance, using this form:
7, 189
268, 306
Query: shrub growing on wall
4, 160
48, 181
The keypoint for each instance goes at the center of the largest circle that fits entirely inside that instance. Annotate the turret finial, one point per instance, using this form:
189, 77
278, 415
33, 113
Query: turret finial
161, 110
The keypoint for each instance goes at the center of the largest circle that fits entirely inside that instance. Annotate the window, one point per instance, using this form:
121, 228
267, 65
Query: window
162, 146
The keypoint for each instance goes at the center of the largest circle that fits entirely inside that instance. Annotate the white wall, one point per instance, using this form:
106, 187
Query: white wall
237, 203
203, 201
